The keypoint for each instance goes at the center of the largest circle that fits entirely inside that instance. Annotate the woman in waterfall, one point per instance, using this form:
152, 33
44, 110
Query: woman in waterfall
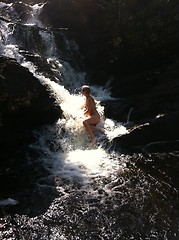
92, 116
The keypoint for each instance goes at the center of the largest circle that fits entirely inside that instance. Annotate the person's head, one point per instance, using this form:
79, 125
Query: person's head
85, 89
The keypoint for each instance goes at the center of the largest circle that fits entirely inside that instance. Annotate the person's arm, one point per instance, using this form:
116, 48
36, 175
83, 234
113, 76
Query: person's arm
84, 107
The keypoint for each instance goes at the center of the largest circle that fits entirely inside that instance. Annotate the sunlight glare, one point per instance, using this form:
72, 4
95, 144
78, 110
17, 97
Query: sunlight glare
93, 161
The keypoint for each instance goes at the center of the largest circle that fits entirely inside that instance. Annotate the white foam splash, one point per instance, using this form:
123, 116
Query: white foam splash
93, 161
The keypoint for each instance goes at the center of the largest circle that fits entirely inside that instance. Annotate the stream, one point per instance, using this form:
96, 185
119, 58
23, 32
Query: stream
82, 192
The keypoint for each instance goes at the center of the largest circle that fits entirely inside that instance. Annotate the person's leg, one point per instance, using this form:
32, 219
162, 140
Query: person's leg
88, 123
89, 130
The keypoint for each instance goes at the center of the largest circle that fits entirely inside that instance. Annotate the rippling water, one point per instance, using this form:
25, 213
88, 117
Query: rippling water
122, 201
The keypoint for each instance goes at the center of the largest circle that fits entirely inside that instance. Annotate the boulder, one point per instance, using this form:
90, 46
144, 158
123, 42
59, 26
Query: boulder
154, 136
24, 101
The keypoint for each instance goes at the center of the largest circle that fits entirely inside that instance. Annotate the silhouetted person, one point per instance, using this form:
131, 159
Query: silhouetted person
92, 116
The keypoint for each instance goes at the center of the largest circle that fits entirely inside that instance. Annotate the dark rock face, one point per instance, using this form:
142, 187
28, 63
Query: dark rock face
92, 24
158, 135
119, 37
149, 32
25, 105
145, 97
24, 101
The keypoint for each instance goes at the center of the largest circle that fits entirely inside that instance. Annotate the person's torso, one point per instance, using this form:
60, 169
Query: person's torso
91, 106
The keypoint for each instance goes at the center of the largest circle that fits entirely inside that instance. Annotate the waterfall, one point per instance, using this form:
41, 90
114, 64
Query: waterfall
101, 194
75, 142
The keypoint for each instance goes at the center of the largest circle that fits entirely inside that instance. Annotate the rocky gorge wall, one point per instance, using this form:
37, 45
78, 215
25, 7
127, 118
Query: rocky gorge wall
119, 37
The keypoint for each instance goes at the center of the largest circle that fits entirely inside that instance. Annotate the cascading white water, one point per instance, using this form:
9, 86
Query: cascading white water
75, 144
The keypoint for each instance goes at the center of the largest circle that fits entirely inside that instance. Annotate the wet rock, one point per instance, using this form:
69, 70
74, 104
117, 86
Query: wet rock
25, 105
149, 40
93, 37
145, 96
162, 146
164, 130
22, 10
24, 101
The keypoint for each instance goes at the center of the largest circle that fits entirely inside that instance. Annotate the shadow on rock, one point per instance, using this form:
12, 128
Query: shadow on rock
159, 135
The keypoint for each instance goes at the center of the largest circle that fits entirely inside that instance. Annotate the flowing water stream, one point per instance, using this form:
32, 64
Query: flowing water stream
90, 193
